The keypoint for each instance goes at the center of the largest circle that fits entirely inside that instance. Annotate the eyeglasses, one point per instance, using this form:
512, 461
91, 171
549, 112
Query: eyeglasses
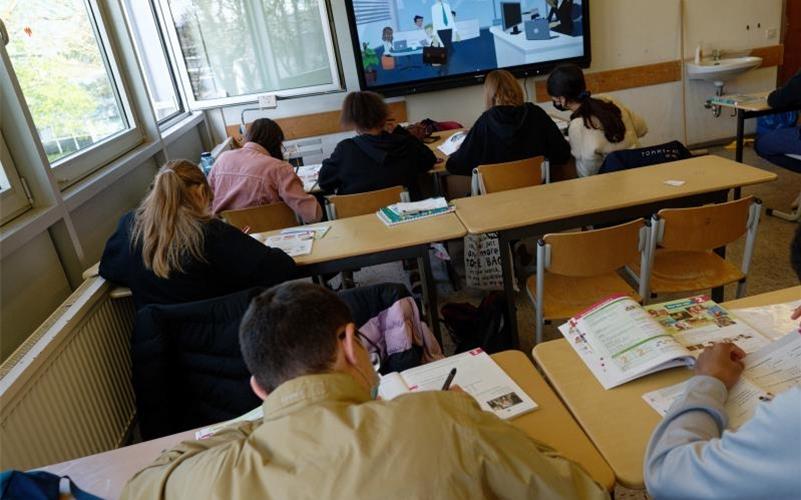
372, 350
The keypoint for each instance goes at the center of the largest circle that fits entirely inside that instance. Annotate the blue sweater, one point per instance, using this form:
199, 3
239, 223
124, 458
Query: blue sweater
691, 456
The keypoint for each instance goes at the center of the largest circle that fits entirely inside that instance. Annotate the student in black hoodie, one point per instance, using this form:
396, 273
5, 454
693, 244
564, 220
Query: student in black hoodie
510, 129
775, 145
375, 158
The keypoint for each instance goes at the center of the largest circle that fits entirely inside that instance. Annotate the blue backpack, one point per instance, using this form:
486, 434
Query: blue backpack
769, 123
36, 485
643, 157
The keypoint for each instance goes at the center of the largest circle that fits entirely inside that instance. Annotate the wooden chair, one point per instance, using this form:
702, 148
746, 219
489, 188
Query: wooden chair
684, 239
262, 218
351, 205
496, 177
576, 270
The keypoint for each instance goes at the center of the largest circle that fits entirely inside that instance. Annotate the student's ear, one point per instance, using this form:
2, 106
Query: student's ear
258, 389
349, 344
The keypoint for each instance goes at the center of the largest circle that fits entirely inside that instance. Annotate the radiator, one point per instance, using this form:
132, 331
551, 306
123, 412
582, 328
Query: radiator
66, 392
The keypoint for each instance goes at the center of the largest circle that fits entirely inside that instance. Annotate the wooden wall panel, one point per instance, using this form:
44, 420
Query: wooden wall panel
652, 74
327, 122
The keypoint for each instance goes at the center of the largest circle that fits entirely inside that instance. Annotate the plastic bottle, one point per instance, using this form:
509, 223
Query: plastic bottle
206, 162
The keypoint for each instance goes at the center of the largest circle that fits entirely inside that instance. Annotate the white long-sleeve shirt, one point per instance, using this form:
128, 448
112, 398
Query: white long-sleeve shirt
691, 456
590, 147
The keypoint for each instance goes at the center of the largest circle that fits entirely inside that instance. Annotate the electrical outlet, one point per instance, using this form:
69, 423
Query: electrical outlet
268, 101
771, 33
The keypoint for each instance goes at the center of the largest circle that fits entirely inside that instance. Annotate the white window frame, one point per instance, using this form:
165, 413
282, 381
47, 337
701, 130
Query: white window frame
169, 55
14, 200
76, 166
203, 104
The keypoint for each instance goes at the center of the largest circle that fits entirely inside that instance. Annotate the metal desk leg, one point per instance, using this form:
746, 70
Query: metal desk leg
431, 291
437, 184
507, 266
738, 152
717, 292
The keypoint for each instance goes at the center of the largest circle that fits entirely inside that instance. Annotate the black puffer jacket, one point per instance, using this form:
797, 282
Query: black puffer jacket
188, 370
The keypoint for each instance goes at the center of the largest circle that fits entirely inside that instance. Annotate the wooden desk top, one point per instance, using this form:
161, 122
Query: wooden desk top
366, 234
443, 136
598, 193
551, 423
619, 421
105, 474
760, 103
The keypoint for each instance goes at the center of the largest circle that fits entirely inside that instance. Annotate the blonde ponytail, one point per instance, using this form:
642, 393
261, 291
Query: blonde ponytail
169, 223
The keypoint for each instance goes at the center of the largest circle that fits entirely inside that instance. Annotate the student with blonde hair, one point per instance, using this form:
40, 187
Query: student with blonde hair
171, 249
510, 129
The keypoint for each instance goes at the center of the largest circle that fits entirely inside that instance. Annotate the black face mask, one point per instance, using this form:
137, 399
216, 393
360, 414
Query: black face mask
558, 106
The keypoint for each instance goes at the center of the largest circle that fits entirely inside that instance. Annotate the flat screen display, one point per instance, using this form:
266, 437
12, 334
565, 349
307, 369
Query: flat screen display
409, 46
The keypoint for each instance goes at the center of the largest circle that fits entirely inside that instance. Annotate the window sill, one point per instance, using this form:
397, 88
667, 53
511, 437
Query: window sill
17, 232
174, 132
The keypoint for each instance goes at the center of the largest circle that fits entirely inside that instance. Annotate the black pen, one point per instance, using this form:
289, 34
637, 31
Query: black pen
447, 384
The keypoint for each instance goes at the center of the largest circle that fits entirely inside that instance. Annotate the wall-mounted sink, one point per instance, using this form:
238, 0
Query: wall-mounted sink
723, 69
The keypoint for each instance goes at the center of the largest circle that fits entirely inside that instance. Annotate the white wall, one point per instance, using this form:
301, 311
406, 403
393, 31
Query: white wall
624, 33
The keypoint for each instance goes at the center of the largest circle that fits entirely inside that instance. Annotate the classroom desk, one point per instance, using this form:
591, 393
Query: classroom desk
750, 109
105, 474
363, 241
600, 199
618, 421
439, 171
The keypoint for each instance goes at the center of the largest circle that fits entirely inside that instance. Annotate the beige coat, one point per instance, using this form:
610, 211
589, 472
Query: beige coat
590, 147
322, 437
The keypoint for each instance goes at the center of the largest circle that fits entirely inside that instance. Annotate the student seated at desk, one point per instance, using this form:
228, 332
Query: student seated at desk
324, 434
256, 174
508, 130
171, 249
691, 456
598, 126
375, 158
775, 145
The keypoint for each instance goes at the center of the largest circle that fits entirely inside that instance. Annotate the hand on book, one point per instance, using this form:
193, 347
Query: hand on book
722, 361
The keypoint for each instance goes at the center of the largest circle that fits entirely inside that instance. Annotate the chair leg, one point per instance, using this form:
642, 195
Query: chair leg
741, 288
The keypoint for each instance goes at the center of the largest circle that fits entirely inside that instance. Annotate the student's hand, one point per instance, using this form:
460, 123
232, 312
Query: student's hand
722, 361
796, 314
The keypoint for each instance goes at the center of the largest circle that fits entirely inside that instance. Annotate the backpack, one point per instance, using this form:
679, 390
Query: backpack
485, 326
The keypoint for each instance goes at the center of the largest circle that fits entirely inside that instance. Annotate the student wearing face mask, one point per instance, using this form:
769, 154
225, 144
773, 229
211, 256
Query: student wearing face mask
598, 126
324, 434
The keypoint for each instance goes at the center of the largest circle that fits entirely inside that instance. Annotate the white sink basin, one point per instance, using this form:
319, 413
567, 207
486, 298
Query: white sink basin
723, 69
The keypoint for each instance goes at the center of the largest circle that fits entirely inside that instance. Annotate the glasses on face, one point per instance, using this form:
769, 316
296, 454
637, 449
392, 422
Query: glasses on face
372, 350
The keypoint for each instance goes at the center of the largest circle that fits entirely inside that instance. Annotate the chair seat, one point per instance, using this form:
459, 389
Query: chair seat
566, 296
685, 271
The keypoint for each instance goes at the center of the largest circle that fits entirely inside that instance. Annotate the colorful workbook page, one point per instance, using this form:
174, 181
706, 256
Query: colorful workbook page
476, 373
768, 372
293, 244
620, 341
400, 213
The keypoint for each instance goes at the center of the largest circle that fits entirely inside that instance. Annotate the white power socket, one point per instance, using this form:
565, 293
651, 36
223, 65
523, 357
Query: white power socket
771, 34
268, 101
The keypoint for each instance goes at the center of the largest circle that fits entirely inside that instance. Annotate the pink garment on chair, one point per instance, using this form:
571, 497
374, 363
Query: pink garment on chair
398, 328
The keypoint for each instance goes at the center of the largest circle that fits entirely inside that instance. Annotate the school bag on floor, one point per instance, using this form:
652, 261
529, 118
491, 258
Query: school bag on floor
485, 326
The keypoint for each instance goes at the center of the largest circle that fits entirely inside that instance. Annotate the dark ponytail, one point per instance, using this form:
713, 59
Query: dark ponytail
267, 134
567, 81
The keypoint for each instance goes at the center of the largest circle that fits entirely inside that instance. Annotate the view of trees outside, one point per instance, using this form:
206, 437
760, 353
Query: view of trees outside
236, 47
4, 184
62, 73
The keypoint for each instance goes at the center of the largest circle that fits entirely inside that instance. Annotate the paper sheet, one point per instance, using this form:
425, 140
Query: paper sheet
452, 143
773, 321
293, 244
309, 174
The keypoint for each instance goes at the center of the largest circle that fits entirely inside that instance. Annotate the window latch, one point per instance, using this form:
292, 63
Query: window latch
27, 190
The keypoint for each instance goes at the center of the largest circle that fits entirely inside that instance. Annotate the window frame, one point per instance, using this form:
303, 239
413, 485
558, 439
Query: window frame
194, 104
169, 56
82, 163
13, 201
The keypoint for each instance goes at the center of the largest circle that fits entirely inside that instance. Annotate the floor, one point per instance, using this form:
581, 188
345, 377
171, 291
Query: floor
770, 266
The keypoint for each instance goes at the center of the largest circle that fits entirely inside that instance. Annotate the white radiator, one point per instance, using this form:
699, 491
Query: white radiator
66, 392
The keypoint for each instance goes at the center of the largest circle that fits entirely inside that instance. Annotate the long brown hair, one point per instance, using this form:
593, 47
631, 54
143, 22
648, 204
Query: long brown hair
501, 89
169, 222
567, 81
267, 134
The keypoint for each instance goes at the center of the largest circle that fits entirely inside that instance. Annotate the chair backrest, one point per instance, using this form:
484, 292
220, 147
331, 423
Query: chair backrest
703, 228
590, 253
351, 205
262, 218
644, 157
496, 177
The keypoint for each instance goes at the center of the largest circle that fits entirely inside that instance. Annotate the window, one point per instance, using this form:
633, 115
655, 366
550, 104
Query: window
234, 49
71, 85
151, 50
13, 200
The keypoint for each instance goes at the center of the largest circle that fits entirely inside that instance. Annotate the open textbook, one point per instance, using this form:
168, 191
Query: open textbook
769, 371
476, 373
620, 340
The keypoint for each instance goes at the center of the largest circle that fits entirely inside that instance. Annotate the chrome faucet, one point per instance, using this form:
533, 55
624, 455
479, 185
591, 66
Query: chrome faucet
716, 55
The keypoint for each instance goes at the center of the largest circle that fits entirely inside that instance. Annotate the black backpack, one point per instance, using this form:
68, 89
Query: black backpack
485, 326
